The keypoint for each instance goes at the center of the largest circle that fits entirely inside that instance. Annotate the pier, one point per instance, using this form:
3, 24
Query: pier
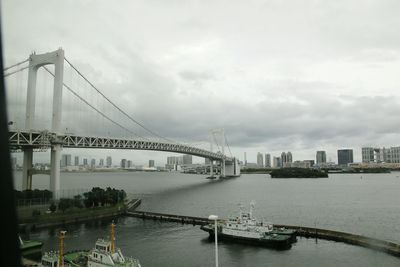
307, 232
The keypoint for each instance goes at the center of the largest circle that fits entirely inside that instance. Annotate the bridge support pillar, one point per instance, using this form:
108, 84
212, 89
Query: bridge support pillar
55, 171
211, 168
26, 167
223, 174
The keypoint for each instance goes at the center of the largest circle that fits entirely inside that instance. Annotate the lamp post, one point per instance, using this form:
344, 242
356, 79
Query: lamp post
215, 218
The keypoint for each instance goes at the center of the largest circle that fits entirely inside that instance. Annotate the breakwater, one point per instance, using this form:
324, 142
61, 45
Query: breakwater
307, 232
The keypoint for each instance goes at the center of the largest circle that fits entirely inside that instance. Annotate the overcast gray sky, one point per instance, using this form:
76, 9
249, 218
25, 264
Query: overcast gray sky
277, 75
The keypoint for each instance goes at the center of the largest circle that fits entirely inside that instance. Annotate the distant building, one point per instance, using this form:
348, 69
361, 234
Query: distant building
207, 161
65, 160
123, 163
260, 160
380, 155
302, 164
129, 164
321, 157
93, 163
276, 162
286, 159
109, 161
151, 163
310, 162
245, 159
289, 157
268, 160
345, 156
187, 159
85, 162
76, 159
101, 163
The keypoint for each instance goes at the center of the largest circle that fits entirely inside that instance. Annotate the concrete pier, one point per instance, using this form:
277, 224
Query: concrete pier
307, 232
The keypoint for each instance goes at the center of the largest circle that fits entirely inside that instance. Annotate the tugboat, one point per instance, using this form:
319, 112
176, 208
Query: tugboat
104, 254
245, 228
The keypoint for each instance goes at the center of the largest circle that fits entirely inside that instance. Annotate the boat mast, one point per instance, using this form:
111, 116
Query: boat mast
61, 254
112, 237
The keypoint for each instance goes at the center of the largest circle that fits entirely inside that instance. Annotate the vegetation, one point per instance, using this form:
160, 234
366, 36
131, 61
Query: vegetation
100, 197
255, 170
298, 173
34, 196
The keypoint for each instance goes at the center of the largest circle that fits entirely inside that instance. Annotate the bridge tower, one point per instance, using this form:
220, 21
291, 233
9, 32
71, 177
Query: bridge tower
220, 133
35, 62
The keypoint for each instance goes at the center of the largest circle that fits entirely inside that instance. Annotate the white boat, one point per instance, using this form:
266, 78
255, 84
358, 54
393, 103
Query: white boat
246, 228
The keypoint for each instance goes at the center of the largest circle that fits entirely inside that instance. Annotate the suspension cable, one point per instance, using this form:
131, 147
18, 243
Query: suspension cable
17, 64
18, 70
226, 140
114, 105
94, 108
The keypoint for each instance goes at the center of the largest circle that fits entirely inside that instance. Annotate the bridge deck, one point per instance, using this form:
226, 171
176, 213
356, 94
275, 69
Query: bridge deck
45, 139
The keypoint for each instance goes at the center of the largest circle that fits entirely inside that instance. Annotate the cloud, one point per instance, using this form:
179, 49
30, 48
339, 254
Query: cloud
277, 75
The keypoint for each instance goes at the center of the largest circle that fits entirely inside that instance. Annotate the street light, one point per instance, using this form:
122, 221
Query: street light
215, 218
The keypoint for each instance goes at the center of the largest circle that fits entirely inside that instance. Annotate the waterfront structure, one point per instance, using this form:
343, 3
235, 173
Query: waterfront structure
268, 160
260, 160
65, 160
321, 157
76, 159
109, 161
151, 163
380, 155
345, 156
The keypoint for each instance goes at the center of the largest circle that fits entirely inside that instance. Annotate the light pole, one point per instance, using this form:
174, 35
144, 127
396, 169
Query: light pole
215, 218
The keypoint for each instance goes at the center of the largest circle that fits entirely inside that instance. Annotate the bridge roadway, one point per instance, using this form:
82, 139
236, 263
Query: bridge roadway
308, 232
45, 140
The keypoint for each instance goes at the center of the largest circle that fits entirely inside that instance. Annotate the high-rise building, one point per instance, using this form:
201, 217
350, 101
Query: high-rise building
286, 159
109, 161
76, 160
276, 162
129, 164
320, 157
65, 160
260, 160
345, 156
245, 159
123, 163
268, 160
187, 159
93, 163
289, 157
380, 155
85, 162
101, 163
151, 163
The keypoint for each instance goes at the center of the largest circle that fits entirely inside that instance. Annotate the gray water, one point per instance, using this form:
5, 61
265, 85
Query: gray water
367, 204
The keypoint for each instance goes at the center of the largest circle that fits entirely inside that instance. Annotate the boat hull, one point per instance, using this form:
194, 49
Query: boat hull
280, 242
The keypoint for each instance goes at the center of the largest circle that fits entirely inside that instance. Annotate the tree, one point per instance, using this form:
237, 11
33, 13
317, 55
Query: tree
64, 204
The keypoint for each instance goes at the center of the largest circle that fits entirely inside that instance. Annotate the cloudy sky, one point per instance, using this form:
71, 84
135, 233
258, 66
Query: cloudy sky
276, 75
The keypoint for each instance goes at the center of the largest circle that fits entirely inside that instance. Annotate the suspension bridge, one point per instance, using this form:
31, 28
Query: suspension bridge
81, 116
